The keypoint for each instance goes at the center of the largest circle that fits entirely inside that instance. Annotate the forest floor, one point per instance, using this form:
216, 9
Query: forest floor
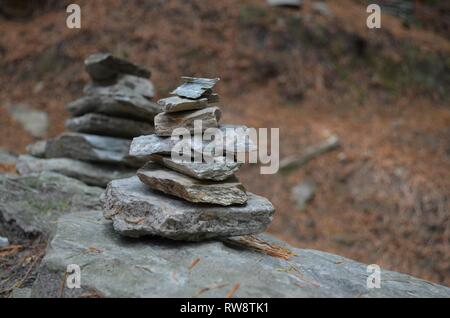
383, 197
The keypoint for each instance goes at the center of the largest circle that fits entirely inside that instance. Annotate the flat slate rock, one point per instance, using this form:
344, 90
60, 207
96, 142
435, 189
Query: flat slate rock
285, 3
34, 202
136, 210
165, 123
217, 170
174, 183
100, 124
124, 84
115, 266
103, 66
132, 106
147, 145
92, 148
90, 173
195, 87
176, 104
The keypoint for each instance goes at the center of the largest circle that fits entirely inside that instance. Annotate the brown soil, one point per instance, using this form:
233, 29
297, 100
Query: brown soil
383, 197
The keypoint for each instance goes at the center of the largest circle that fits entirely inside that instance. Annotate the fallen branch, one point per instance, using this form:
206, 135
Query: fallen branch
310, 153
259, 245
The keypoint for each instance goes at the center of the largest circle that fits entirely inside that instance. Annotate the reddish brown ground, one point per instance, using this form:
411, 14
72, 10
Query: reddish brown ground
383, 197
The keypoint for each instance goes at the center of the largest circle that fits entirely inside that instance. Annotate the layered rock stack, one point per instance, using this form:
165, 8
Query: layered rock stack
116, 107
186, 199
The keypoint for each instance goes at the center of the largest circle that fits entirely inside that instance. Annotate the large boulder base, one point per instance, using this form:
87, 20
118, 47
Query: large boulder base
136, 210
115, 266
227, 192
33, 203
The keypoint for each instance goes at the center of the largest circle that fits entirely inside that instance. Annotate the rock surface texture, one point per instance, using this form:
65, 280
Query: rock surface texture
33, 203
137, 211
115, 266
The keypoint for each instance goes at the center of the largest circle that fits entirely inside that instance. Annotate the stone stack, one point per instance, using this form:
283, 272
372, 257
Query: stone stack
186, 199
116, 107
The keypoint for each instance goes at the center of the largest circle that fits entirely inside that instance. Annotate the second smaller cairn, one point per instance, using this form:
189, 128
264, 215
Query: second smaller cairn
186, 199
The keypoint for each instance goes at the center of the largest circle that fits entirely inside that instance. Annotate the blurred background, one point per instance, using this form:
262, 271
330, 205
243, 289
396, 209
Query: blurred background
314, 71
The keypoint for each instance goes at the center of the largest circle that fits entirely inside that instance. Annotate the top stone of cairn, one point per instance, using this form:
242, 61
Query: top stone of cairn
195, 87
104, 66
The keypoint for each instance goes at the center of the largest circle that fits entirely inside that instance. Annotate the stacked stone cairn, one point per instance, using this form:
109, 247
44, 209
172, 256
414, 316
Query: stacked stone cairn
116, 106
187, 199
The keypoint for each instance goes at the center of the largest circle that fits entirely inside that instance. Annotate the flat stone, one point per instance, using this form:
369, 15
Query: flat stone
109, 126
37, 149
133, 106
34, 202
124, 84
33, 121
93, 148
176, 104
285, 3
115, 266
165, 123
174, 183
103, 66
136, 210
147, 145
218, 169
90, 173
195, 87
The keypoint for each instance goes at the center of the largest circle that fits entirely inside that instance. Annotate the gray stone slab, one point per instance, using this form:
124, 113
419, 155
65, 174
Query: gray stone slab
176, 104
147, 145
217, 170
119, 105
195, 87
92, 148
115, 266
100, 124
227, 192
136, 210
90, 173
103, 66
124, 84
165, 123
